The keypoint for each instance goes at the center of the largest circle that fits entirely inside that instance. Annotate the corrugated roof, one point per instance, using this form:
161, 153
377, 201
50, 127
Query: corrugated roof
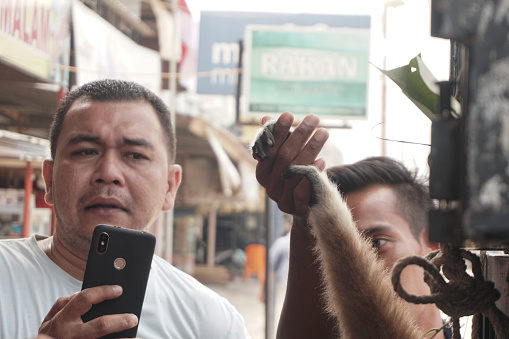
23, 147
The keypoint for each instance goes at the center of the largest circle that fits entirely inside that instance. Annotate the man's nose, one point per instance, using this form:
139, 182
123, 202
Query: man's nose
108, 170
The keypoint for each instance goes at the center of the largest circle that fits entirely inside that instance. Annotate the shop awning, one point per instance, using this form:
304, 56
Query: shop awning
18, 149
28, 106
221, 167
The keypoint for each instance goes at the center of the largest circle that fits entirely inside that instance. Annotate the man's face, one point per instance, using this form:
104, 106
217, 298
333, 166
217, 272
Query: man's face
374, 210
111, 167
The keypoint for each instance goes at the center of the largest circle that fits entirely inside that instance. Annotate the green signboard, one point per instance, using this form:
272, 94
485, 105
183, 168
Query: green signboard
306, 70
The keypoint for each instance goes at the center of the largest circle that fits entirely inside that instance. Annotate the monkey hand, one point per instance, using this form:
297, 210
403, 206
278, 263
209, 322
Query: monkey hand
276, 149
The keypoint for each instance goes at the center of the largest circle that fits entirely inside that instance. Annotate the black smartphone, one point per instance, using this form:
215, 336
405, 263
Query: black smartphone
119, 256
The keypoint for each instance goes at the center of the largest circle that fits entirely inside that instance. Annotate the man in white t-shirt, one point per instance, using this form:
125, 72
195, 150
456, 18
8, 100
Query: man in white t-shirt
113, 151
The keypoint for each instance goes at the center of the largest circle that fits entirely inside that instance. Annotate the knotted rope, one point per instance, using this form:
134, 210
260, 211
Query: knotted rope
463, 294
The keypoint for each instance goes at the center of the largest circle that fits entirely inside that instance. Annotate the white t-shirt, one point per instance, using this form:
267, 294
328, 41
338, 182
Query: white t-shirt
176, 305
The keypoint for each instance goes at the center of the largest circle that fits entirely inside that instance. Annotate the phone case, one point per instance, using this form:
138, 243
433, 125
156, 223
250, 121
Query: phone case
137, 249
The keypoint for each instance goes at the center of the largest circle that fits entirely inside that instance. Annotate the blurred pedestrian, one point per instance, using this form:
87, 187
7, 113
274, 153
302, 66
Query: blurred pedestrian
279, 256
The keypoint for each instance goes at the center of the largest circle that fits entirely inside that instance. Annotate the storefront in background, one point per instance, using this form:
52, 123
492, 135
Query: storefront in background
21, 159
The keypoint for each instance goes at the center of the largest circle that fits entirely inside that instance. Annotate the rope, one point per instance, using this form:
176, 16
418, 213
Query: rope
476, 319
461, 295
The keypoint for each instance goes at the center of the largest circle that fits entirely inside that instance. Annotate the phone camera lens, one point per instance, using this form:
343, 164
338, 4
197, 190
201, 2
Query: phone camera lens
102, 245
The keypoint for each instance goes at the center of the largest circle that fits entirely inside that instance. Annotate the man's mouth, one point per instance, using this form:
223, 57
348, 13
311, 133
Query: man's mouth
103, 206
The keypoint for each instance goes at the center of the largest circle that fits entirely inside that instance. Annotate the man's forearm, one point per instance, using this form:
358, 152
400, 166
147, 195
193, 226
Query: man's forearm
303, 314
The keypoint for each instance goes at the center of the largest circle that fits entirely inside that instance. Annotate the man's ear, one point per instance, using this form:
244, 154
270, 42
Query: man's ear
424, 238
174, 179
47, 173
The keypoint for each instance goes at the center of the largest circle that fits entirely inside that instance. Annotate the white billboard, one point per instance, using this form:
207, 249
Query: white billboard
102, 52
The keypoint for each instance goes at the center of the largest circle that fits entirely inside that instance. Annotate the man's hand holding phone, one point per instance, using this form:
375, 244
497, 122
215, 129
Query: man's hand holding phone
110, 302
64, 318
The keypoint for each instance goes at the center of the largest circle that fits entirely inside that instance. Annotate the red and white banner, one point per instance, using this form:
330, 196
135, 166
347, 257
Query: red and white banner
34, 36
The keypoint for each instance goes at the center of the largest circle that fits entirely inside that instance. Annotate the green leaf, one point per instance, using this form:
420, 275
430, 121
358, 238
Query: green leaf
420, 86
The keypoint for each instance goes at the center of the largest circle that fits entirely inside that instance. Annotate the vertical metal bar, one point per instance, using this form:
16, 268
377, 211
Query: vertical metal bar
28, 195
211, 237
169, 215
270, 207
239, 82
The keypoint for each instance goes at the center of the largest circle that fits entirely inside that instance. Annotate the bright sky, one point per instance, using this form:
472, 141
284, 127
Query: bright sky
314, 6
407, 34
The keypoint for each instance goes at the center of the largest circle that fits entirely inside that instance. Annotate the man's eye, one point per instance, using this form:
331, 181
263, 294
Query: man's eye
85, 152
377, 243
136, 156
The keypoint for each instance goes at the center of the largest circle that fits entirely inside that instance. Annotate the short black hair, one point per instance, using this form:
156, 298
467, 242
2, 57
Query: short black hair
110, 90
413, 200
